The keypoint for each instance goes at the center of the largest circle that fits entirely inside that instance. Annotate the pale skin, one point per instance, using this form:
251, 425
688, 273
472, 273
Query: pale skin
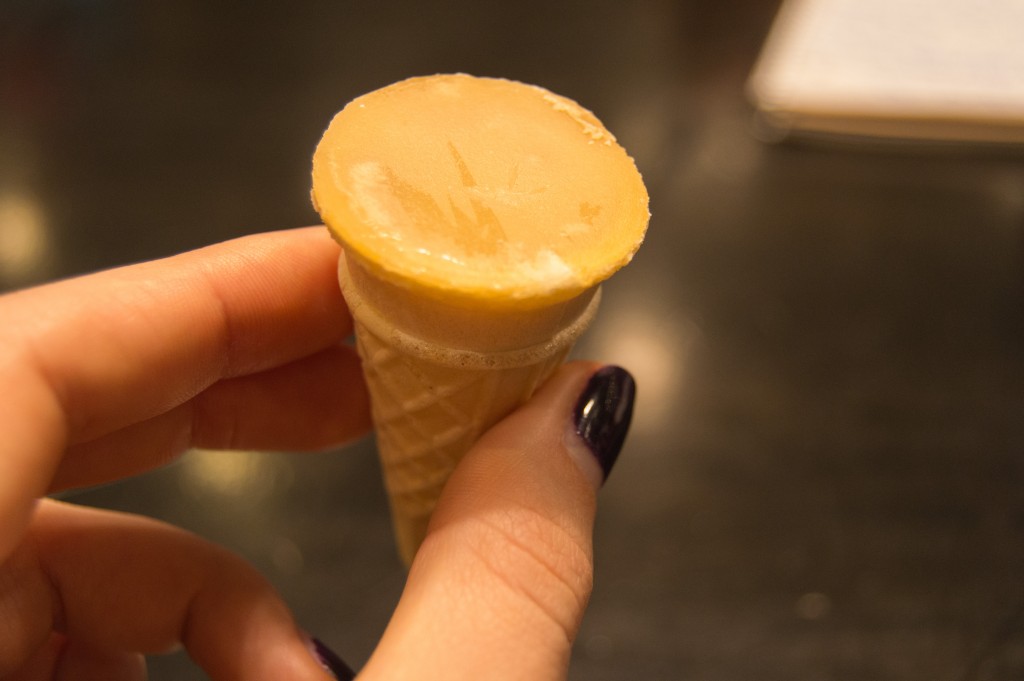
240, 345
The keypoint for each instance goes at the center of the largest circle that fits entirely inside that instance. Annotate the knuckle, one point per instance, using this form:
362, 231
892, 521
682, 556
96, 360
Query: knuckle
26, 612
537, 561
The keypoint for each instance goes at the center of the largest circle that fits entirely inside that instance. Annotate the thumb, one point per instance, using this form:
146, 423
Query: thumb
499, 586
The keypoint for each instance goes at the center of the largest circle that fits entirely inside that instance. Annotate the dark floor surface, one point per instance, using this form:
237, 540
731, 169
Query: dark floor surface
826, 475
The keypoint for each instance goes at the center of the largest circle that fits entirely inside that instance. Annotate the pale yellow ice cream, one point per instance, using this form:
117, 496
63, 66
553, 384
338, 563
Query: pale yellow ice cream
479, 191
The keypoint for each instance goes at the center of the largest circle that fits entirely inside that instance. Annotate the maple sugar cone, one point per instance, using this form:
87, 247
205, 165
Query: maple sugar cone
478, 218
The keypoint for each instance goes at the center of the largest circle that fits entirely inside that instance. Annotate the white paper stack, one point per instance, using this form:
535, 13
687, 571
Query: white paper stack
926, 70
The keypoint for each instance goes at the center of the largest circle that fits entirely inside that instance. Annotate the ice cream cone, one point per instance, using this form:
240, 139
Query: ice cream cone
479, 218
431, 400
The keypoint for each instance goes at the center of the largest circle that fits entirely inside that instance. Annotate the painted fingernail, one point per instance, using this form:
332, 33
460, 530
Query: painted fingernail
330, 661
603, 413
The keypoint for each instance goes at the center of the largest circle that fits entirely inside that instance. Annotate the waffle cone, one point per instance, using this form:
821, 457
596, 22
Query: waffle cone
440, 376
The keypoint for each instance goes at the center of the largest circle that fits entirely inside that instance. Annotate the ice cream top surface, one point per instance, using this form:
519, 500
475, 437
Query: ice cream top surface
479, 191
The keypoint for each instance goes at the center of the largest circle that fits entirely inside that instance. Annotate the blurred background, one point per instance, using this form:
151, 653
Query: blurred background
825, 479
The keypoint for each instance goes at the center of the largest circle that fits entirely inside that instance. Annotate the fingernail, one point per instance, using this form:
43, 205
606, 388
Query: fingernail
330, 661
603, 413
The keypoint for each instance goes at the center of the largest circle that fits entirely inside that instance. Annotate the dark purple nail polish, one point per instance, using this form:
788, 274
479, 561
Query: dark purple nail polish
330, 661
603, 413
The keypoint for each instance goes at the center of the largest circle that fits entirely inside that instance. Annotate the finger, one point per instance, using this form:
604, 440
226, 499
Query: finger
129, 343
315, 402
39, 665
498, 587
122, 584
62, 660
82, 358
306, 405
78, 661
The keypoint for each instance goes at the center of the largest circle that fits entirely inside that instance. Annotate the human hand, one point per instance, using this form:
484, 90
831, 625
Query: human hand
238, 345
499, 585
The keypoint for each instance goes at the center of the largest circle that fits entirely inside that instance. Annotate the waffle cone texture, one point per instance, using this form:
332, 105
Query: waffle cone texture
432, 402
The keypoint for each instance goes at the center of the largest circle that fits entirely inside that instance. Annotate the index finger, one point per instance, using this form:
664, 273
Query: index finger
115, 584
83, 357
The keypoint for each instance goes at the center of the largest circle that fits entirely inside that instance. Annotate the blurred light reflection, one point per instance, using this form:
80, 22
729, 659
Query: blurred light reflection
813, 606
287, 557
25, 243
233, 473
653, 346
